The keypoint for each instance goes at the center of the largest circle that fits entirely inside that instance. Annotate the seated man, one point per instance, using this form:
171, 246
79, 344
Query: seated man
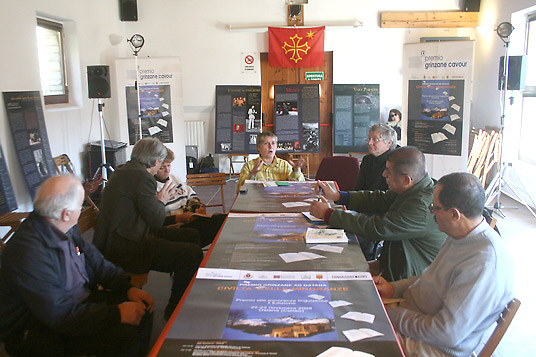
461, 294
49, 300
398, 216
184, 203
381, 142
268, 167
129, 225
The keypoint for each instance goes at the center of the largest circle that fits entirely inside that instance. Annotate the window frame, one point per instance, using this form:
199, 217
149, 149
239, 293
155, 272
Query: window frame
57, 98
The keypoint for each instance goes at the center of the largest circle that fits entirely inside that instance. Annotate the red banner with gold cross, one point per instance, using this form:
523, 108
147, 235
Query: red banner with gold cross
296, 47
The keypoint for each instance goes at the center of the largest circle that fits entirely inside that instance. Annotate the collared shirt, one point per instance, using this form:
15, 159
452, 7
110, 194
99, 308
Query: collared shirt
278, 170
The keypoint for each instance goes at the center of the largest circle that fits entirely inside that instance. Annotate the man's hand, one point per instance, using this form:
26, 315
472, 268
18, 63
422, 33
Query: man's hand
256, 168
328, 192
385, 288
297, 164
141, 296
131, 312
319, 209
166, 193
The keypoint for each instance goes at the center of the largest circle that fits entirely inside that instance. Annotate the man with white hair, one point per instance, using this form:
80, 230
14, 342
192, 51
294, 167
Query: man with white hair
49, 298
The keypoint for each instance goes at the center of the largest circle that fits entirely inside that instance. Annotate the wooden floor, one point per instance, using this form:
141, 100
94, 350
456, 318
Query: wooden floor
518, 228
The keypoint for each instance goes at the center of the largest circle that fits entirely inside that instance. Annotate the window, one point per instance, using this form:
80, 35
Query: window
52, 61
528, 121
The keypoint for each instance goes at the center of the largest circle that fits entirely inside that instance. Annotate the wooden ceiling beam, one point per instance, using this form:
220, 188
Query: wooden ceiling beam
436, 19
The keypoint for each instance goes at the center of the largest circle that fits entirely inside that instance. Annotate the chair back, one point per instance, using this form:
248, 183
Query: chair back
63, 164
212, 179
503, 322
342, 169
88, 216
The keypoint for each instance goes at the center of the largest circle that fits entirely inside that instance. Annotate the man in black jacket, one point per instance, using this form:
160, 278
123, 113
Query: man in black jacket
49, 301
129, 225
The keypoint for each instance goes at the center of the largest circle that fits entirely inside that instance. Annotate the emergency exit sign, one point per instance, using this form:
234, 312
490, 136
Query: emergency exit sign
314, 76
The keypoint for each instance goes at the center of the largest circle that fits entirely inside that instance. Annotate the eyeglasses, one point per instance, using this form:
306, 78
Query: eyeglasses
393, 115
433, 208
373, 139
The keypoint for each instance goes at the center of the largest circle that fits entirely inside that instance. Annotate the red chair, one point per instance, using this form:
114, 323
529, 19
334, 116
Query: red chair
342, 169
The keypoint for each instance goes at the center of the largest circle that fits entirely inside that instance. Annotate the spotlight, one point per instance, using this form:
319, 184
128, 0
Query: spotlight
504, 30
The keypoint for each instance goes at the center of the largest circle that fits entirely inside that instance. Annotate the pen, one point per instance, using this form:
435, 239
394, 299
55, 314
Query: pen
319, 193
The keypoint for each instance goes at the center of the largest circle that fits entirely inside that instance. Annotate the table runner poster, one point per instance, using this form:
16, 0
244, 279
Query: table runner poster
435, 115
238, 119
8, 202
155, 109
27, 122
297, 117
356, 109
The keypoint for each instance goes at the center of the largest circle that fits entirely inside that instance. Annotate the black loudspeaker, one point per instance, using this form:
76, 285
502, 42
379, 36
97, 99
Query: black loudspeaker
471, 5
98, 81
517, 68
128, 10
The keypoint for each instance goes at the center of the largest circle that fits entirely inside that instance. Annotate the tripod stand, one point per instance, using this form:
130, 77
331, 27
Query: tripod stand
496, 187
104, 166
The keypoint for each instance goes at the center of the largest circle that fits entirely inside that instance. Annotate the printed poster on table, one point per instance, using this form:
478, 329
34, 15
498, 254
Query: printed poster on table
27, 122
297, 117
356, 109
435, 116
238, 119
280, 313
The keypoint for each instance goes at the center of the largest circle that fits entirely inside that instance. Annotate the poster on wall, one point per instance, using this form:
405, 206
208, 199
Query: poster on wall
297, 117
155, 109
238, 119
435, 116
8, 202
356, 109
27, 122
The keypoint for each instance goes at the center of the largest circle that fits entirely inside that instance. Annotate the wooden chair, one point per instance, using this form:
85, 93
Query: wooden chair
504, 320
387, 302
213, 179
235, 158
63, 164
12, 220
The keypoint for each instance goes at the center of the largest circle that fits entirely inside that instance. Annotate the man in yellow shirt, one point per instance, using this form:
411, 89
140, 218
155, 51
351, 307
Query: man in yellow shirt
268, 167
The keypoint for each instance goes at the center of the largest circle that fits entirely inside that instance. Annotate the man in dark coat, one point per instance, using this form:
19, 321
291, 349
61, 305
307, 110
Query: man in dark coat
50, 304
129, 225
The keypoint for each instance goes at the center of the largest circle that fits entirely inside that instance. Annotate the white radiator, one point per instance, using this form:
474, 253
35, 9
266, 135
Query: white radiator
195, 134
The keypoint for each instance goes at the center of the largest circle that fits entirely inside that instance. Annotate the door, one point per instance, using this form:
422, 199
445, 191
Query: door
271, 76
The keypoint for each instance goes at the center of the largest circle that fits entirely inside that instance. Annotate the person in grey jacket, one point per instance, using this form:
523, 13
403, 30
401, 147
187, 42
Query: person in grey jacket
50, 300
451, 305
398, 216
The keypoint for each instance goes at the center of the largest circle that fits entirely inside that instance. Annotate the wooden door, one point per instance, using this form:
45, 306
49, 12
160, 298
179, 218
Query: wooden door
271, 76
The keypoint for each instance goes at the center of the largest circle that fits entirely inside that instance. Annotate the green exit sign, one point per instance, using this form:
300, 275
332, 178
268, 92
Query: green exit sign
314, 76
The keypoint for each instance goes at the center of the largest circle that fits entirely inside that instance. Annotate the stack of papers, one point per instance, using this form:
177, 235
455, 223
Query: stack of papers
325, 235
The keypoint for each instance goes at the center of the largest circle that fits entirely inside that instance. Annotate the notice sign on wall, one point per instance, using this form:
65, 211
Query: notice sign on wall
238, 119
297, 117
27, 122
7, 196
356, 109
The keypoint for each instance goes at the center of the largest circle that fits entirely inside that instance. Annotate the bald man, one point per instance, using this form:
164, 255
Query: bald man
49, 301
399, 216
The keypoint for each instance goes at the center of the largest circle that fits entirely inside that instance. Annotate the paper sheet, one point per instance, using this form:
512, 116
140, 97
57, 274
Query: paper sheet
450, 128
359, 316
335, 351
328, 248
361, 334
339, 303
437, 137
295, 204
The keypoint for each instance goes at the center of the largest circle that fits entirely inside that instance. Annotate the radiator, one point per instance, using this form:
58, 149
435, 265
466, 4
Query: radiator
195, 134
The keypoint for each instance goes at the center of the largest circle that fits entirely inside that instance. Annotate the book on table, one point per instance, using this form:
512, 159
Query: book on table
325, 235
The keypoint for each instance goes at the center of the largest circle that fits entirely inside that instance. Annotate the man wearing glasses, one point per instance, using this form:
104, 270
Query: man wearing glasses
451, 305
399, 216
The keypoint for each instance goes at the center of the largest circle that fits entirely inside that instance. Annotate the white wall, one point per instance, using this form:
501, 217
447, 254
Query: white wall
196, 32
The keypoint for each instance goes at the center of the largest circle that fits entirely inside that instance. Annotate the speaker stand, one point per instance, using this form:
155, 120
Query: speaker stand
104, 166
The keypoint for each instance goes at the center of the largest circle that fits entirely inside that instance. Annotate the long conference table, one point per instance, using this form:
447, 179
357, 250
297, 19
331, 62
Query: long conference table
263, 291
